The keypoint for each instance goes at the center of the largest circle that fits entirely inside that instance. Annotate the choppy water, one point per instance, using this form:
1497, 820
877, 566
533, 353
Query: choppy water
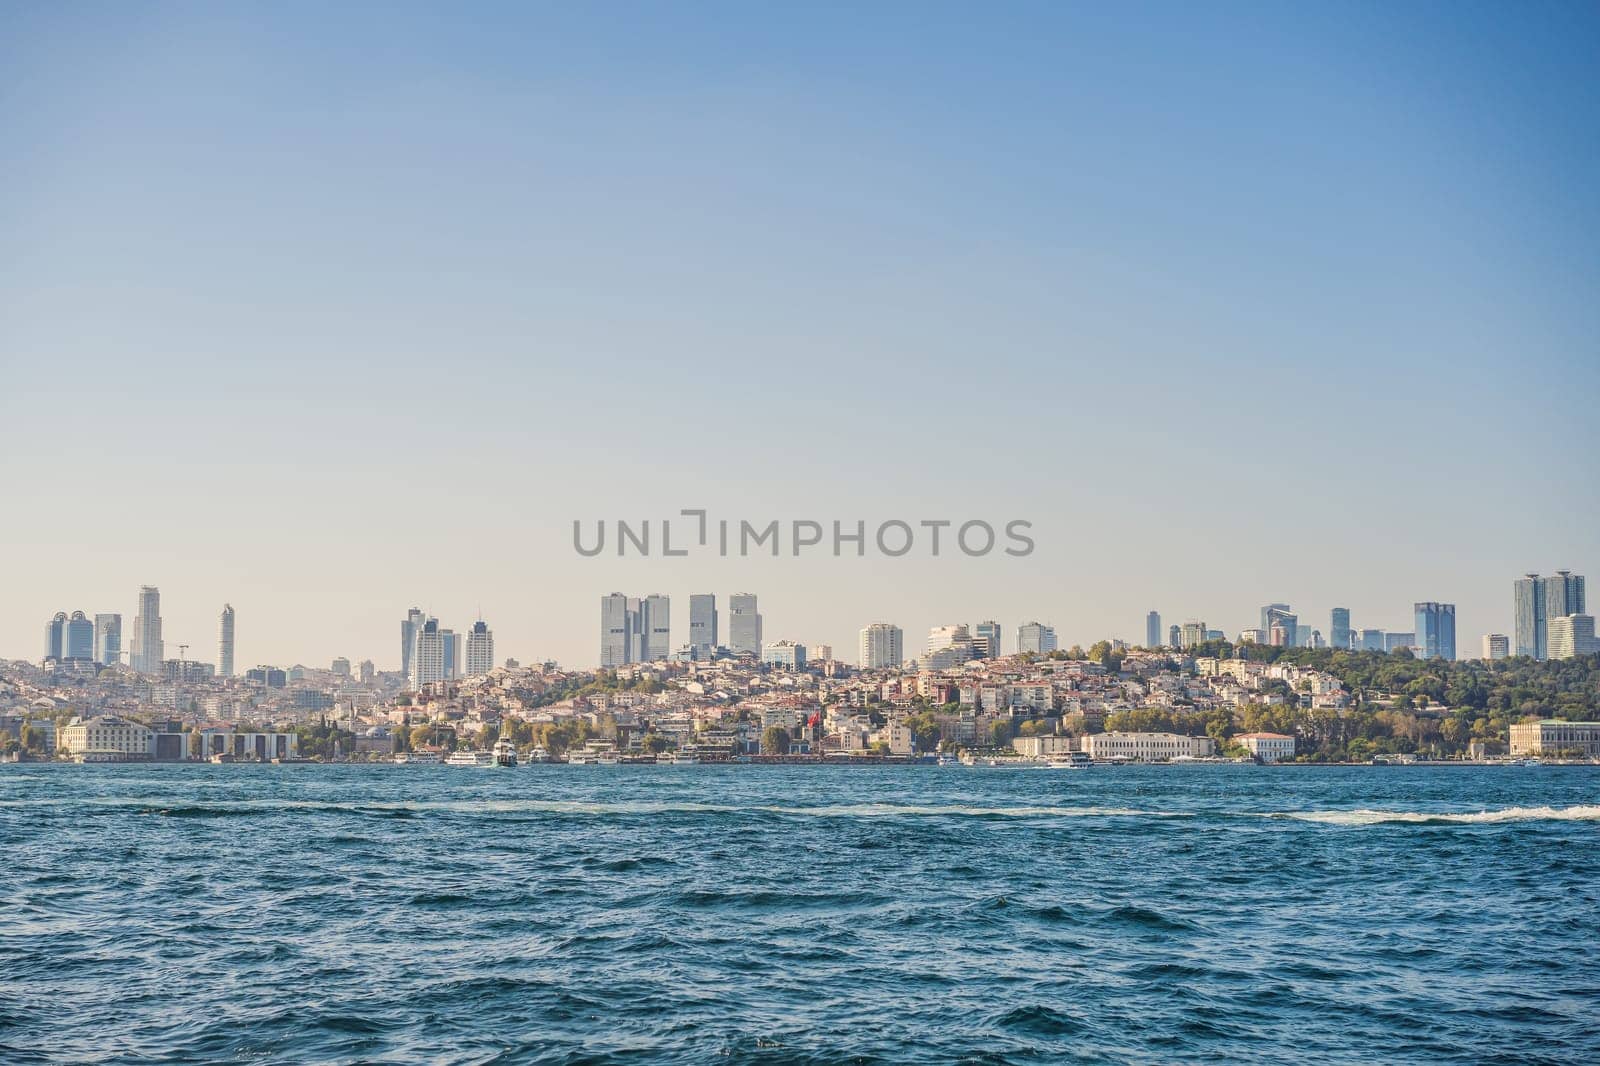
302, 914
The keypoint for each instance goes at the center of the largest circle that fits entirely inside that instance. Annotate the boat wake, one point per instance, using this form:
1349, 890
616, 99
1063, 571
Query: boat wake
1580, 813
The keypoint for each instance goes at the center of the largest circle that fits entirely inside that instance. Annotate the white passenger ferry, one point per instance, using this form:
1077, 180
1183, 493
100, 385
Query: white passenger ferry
470, 758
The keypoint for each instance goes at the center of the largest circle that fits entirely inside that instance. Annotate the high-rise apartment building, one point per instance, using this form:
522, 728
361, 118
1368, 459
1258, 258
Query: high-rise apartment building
1339, 629
1152, 630
408, 637
108, 639
1435, 633
1496, 646
427, 656
744, 624
225, 643
148, 648
1571, 635
988, 634
882, 646
1040, 639
703, 624
451, 653
1563, 594
1192, 634
1536, 601
480, 650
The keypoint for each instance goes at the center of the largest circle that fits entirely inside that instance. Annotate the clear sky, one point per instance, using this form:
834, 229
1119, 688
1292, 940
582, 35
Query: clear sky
331, 310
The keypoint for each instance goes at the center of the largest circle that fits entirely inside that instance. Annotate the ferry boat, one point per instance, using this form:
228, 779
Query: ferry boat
418, 758
1071, 760
470, 758
594, 753
677, 758
505, 752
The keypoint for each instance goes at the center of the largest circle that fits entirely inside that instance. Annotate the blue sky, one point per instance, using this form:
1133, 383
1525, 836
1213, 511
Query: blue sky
330, 312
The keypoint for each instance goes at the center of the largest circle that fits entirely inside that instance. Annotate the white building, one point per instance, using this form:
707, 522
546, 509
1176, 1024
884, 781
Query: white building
225, 642
106, 735
784, 653
882, 645
1553, 735
1268, 747
427, 656
1147, 747
1569, 635
480, 650
1496, 646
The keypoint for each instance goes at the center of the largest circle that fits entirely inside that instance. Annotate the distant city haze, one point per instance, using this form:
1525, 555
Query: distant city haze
329, 313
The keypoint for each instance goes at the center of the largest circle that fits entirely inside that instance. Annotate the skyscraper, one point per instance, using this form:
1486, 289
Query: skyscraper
744, 624
1038, 638
990, 632
616, 630
1496, 646
427, 657
1276, 615
1174, 635
1152, 630
480, 650
655, 627
1339, 629
1435, 633
1563, 594
1372, 640
1192, 635
1527, 600
55, 634
703, 624
450, 654
108, 639
225, 643
148, 649
882, 645
408, 637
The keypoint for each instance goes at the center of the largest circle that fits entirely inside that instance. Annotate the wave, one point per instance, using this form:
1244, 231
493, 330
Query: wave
1579, 813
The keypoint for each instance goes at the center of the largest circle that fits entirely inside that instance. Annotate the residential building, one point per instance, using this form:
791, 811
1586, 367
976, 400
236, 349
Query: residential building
408, 637
1528, 623
148, 648
1570, 635
1563, 594
1037, 638
1152, 630
703, 625
480, 650
744, 624
1496, 646
428, 656
1253, 636
225, 642
1268, 747
108, 639
942, 637
1192, 635
1555, 736
1339, 628
882, 646
340, 667
1435, 636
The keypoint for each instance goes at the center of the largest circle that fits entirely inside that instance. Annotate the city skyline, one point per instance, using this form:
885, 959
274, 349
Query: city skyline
457, 650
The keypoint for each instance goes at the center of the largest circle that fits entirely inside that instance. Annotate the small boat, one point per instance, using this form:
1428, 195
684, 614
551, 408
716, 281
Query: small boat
677, 758
608, 758
222, 757
505, 752
536, 757
1071, 760
470, 758
949, 760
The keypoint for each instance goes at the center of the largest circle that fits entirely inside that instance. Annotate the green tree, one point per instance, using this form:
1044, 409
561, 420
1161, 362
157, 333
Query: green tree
775, 741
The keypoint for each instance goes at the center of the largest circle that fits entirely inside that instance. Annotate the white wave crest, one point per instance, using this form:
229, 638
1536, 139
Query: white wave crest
1580, 813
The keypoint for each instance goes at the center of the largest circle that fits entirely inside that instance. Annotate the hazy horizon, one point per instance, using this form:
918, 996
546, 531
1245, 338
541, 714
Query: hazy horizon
330, 313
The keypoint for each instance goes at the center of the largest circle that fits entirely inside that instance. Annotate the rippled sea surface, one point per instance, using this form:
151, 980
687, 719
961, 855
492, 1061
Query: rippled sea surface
301, 914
